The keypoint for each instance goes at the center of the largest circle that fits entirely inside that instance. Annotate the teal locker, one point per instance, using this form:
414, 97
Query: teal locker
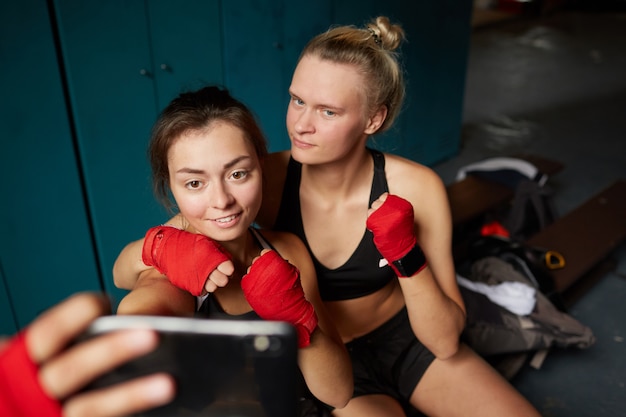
8, 325
434, 57
46, 250
125, 61
253, 60
186, 45
262, 41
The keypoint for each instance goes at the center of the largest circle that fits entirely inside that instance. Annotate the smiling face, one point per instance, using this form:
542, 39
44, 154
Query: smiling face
327, 115
215, 177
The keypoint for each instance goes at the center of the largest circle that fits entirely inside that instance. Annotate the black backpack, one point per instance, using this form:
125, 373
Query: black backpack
532, 207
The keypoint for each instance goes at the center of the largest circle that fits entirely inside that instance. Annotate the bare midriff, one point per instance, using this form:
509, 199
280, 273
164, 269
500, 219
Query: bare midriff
359, 316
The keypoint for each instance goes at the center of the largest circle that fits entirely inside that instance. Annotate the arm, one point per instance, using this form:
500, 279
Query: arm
433, 300
154, 294
324, 362
175, 253
128, 266
434, 232
48, 375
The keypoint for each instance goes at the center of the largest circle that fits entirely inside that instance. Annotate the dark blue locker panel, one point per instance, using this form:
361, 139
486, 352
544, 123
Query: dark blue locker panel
107, 57
262, 41
113, 53
435, 58
186, 44
8, 325
46, 250
254, 62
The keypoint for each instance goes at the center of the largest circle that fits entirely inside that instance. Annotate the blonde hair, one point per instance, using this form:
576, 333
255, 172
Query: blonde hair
372, 50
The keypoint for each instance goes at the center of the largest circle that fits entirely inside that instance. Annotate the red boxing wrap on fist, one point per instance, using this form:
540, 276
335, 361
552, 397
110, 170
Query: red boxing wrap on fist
273, 290
392, 226
187, 259
20, 391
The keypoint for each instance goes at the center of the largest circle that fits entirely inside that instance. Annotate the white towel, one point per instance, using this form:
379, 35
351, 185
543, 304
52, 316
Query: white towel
517, 297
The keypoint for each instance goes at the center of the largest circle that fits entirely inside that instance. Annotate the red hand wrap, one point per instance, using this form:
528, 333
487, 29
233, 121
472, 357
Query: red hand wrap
273, 290
187, 259
392, 226
21, 395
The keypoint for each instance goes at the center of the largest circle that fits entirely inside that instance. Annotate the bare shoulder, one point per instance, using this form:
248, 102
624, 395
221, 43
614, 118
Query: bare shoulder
274, 173
426, 192
412, 180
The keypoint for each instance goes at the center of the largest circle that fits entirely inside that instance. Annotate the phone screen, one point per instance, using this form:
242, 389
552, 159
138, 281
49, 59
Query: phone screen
222, 367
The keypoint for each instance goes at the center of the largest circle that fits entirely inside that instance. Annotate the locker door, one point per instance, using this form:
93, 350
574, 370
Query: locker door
262, 41
254, 61
186, 39
46, 251
107, 56
8, 325
125, 62
434, 56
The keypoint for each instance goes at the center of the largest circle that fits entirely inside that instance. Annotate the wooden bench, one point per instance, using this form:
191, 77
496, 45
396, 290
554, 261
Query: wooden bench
585, 236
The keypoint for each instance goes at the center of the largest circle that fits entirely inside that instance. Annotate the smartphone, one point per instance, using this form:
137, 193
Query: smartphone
222, 368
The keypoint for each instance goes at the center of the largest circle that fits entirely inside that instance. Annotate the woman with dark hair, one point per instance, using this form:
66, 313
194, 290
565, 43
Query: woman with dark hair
379, 229
207, 150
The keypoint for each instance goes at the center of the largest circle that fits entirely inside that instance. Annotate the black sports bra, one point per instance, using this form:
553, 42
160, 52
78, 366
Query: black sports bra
361, 274
208, 307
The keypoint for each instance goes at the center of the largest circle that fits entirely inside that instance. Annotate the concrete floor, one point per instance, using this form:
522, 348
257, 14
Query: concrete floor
556, 86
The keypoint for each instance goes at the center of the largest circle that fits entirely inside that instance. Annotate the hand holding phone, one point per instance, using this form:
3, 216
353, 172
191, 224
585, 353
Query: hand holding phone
221, 367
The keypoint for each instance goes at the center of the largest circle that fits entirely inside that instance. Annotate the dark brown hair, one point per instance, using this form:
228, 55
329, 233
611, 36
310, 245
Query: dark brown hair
195, 111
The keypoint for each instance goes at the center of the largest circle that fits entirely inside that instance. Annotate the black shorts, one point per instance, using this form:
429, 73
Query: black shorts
389, 360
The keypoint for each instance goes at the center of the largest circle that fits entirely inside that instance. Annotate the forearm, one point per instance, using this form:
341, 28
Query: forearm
128, 266
155, 295
39, 362
129, 263
436, 319
327, 369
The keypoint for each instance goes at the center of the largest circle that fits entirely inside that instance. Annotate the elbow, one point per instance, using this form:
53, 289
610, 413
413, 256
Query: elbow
447, 347
447, 350
120, 285
116, 276
335, 391
340, 404
345, 397
341, 397
126, 306
121, 277
337, 394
